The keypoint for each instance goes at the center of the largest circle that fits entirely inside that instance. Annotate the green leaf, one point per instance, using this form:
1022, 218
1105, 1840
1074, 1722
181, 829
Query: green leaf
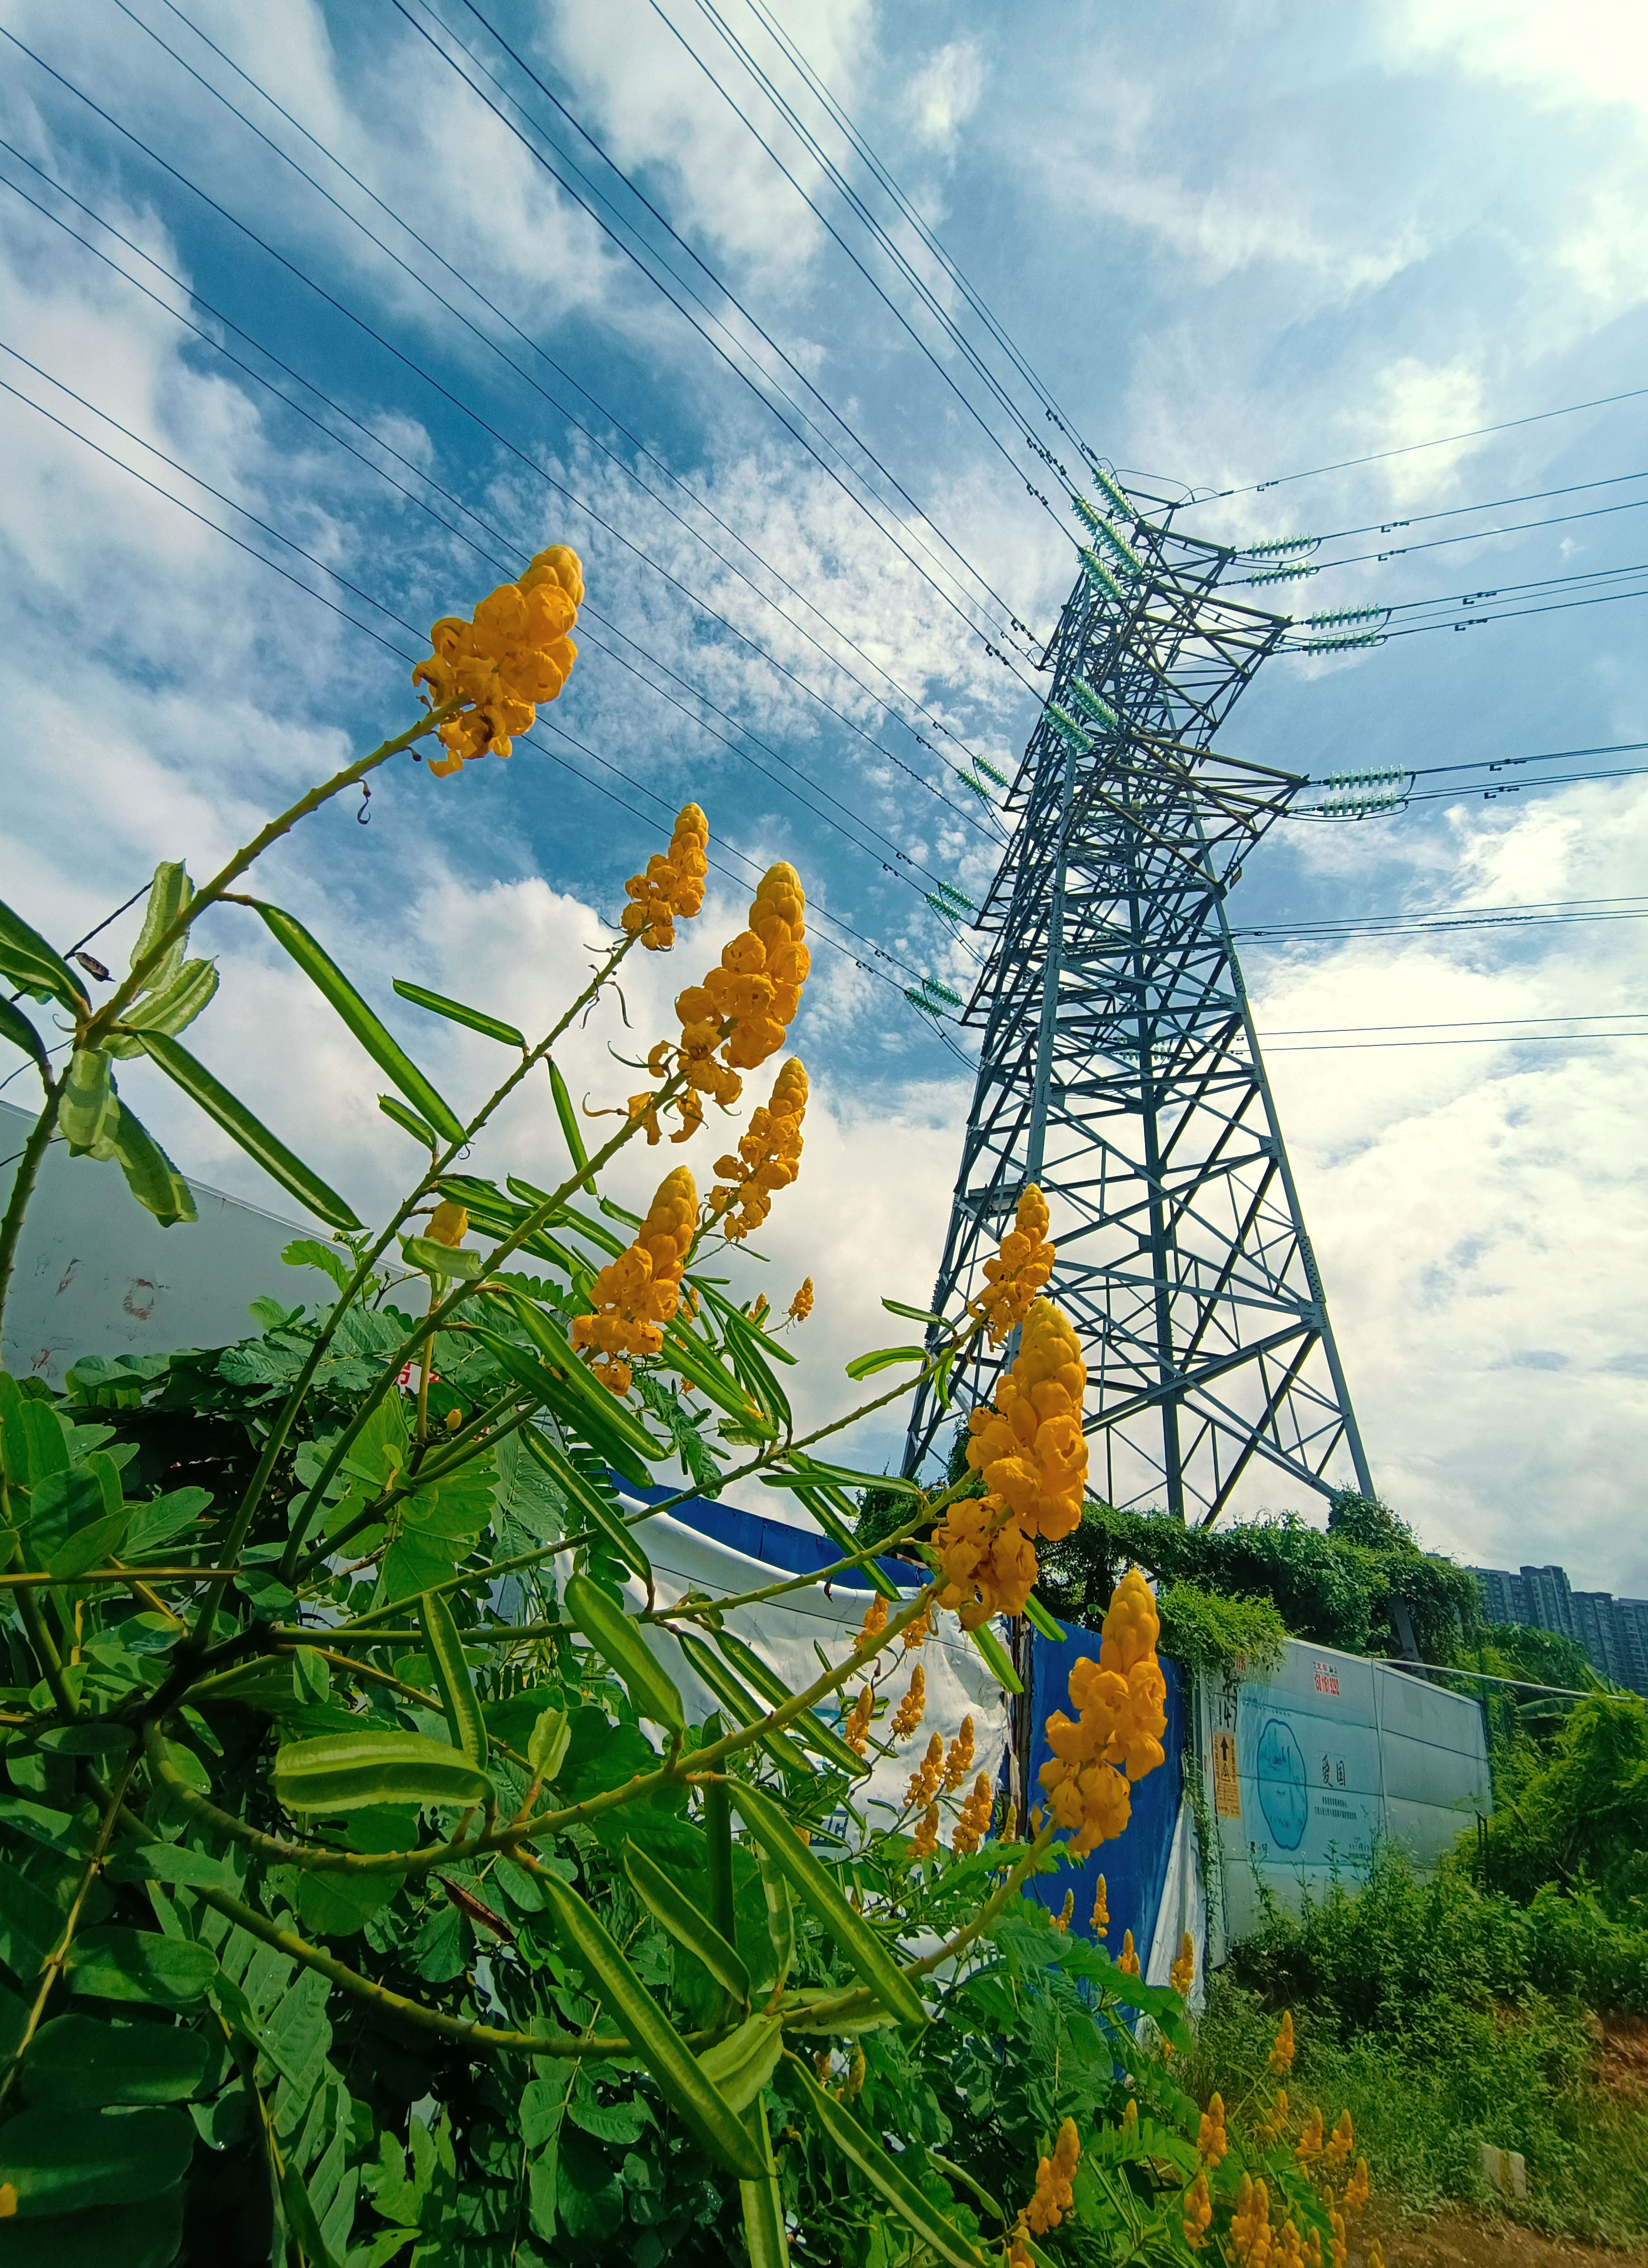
806, 1728
738, 1703
845, 1542
151, 1176
619, 1641
997, 1657
75, 2063
263, 1147
113, 1963
438, 1005
688, 1927
300, 2216
16, 1026
808, 1473
444, 1649
815, 1887
60, 2165
780, 1920
866, 1366
347, 1771
914, 1314
76, 1517
167, 1011
436, 1259
393, 1108
587, 1420
699, 2105
546, 1750
687, 1353
308, 1252
311, 1676
605, 1408
764, 2237
386, 1051
588, 1502
145, 2235
568, 1117
742, 2063
28, 964
879, 2171
1039, 1619
169, 893
89, 1109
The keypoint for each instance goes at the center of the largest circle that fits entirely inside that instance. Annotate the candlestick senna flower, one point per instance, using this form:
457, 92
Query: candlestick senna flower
1021, 1264
769, 1159
638, 1294
513, 653
740, 1013
673, 884
1123, 1700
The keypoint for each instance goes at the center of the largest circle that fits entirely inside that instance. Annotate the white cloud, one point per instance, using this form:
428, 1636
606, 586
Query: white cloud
944, 94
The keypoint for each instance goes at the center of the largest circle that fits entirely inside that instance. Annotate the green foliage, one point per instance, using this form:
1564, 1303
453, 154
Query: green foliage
1578, 1817
1333, 1588
1444, 2017
1211, 1636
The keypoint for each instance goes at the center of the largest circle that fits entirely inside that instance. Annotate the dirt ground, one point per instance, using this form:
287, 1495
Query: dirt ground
1462, 2240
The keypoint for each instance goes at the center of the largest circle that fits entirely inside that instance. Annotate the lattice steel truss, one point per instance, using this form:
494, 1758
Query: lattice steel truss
1120, 1067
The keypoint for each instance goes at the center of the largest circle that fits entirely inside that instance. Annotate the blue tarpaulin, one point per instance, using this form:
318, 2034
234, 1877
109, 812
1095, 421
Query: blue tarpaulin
1135, 1866
797, 1550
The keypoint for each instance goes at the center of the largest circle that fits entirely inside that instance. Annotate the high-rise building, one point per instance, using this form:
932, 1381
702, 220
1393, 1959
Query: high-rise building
1613, 1632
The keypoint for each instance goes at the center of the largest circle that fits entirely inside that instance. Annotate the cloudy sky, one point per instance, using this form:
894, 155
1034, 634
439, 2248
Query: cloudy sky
317, 321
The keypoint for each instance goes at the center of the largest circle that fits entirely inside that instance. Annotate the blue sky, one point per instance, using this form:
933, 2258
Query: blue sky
1235, 244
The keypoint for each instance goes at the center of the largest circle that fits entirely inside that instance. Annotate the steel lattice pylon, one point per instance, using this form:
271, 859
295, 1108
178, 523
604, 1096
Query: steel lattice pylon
1120, 1067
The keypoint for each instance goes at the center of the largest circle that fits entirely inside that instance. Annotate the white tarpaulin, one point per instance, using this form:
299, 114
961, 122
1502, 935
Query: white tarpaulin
788, 1633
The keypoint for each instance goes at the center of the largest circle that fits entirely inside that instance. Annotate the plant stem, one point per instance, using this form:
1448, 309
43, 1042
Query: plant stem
23, 1182
54, 1961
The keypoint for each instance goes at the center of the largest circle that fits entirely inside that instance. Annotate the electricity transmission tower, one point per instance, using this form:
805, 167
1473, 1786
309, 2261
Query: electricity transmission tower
1120, 1068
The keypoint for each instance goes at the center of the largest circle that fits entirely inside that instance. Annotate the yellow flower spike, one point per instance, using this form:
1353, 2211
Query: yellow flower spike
671, 887
974, 1818
1198, 2213
917, 1633
1281, 2053
1066, 1913
875, 1618
1018, 2252
926, 1838
1053, 2196
769, 1159
801, 1306
1181, 1975
1310, 2141
1128, 1960
1212, 2141
1250, 2224
1342, 2141
912, 1708
1030, 1448
512, 655
448, 1225
740, 1014
925, 1780
958, 1756
1101, 1912
1010, 1824
1123, 1716
638, 1294
1356, 2194
1022, 1264
856, 1730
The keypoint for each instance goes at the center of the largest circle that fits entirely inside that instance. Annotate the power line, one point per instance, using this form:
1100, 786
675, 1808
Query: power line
401, 623
760, 79
614, 456
409, 363
1458, 510
407, 655
1473, 536
1509, 1039
911, 214
1458, 1023
538, 157
1411, 448
1541, 913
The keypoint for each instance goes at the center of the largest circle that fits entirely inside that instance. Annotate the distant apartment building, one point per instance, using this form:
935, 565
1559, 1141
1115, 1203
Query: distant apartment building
1613, 1632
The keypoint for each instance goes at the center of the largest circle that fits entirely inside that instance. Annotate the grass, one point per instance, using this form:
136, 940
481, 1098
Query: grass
1420, 2008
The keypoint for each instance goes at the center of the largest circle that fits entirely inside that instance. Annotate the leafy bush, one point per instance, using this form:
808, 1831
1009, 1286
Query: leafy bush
1444, 2017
